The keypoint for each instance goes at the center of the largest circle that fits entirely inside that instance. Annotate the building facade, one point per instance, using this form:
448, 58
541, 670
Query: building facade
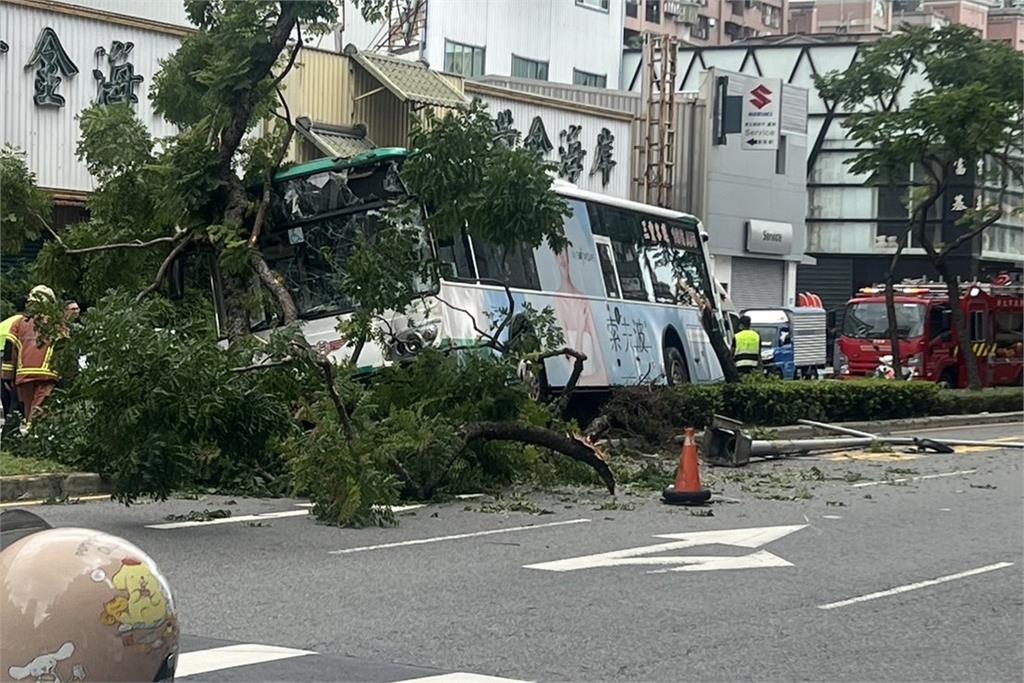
853, 224
991, 19
564, 41
704, 22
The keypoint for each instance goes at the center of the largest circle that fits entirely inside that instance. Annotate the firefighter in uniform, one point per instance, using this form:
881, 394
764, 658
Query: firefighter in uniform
10, 348
35, 378
748, 348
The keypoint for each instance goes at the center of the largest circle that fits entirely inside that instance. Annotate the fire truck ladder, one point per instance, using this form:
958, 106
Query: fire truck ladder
656, 150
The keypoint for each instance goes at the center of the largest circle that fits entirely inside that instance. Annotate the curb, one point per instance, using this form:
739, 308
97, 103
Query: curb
885, 427
51, 486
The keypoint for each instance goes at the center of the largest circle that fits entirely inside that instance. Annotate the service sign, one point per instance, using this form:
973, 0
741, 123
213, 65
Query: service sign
762, 101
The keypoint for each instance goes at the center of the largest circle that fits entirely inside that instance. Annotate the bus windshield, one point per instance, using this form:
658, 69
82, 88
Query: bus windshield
868, 320
319, 221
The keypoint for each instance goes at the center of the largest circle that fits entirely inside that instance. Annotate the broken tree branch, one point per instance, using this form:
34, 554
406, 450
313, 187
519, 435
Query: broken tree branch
545, 438
270, 279
262, 366
161, 273
291, 59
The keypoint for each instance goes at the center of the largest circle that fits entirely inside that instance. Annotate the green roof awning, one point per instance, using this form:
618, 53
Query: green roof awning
373, 156
407, 80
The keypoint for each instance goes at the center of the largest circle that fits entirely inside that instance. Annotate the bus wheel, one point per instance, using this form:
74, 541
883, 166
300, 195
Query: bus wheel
675, 367
948, 379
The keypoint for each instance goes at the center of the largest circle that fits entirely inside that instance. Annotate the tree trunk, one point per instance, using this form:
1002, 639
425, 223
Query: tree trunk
894, 333
721, 348
236, 315
963, 336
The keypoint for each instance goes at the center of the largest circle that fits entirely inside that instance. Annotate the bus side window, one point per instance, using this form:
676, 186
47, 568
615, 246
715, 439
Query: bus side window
456, 252
515, 267
611, 278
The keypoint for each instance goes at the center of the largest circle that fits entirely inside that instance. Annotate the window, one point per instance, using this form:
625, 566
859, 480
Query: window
631, 8
771, 16
978, 332
529, 68
702, 30
456, 253
464, 60
939, 318
780, 156
515, 267
585, 78
653, 11
594, 4
608, 272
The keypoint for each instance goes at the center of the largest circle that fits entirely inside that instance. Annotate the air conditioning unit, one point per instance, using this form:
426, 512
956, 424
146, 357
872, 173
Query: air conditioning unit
684, 12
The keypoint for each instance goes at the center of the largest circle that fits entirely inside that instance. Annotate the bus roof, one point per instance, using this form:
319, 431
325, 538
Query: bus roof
321, 165
562, 187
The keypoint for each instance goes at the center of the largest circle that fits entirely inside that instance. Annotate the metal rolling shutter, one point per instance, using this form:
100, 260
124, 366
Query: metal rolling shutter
757, 283
831, 279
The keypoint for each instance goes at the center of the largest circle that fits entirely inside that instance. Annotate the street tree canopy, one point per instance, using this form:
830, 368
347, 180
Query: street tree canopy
969, 115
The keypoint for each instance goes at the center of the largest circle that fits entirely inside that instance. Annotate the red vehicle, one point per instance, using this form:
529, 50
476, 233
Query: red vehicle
995, 319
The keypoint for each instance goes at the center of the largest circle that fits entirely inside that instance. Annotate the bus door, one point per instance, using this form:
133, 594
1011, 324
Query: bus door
981, 338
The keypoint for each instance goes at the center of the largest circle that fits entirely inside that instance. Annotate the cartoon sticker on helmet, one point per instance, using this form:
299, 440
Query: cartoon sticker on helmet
140, 612
43, 669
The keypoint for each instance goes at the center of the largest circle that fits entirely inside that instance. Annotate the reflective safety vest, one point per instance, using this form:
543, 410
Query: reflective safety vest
10, 345
34, 360
748, 349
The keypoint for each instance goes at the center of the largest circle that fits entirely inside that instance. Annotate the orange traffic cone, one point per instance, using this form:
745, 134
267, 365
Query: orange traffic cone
687, 489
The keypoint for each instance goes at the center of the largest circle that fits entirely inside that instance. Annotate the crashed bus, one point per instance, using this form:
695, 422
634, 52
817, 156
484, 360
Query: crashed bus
615, 295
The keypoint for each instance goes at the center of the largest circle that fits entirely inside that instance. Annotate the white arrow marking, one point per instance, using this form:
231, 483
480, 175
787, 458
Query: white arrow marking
753, 537
759, 560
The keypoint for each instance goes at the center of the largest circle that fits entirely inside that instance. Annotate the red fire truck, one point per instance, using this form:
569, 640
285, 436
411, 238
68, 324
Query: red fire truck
994, 313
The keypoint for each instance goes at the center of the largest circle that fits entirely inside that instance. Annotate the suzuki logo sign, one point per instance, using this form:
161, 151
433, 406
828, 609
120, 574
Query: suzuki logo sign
759, 97
761, 113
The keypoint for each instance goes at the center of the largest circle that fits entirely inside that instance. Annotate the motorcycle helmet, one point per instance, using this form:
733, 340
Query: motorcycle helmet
79, 605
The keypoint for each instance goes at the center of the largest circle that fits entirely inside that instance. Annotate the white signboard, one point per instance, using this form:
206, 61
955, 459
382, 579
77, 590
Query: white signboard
761, 107
769, 237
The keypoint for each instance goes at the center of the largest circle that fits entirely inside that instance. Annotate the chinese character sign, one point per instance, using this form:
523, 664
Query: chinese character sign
118, 86
52, 65
504, 133
603, 162
570, 154
537, 139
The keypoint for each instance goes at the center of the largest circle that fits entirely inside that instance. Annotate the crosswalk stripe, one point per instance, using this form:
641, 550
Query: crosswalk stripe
461, 677
230, 656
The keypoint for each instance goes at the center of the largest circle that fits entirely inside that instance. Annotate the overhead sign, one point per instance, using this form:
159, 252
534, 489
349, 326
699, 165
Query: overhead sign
753, 537
769, 237
761, 113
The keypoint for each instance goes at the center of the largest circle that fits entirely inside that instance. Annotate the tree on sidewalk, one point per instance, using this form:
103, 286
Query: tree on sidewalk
158, 407
969, 115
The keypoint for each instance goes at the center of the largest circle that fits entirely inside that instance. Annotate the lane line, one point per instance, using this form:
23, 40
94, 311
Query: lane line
44, 501
230, 656
256, 518
960, 427
454, 537
918, 478
461, 677
915, 586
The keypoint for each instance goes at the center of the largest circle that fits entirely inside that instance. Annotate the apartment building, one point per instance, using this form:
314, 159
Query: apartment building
704, 22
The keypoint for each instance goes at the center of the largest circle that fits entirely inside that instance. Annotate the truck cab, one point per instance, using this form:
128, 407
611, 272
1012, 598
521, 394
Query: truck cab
793, 340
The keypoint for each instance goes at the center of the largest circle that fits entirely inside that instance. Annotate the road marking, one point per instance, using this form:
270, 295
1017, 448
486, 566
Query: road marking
907, 479
455, 537
461, 677
915, 586
753, 537
256, 518
876, 457
960, 427
45, 501
831, 517
230, 656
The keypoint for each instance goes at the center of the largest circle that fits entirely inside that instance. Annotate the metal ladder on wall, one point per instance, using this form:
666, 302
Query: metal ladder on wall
402, 31
656, 150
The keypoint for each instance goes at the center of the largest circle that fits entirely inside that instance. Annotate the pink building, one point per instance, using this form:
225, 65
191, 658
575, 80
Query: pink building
987, 17
705, 22
1007, 25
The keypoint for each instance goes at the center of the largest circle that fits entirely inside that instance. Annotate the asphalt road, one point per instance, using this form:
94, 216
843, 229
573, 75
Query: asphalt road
887, 567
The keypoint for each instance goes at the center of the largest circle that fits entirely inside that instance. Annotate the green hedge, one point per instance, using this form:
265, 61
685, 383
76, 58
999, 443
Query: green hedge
656, 413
